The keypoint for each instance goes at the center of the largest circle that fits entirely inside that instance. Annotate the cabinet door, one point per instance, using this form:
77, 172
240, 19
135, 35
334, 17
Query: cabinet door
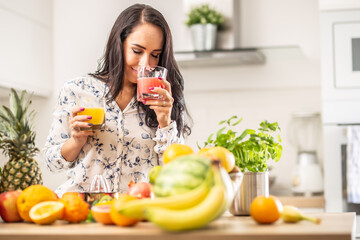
25, 54
340, 59
347, 54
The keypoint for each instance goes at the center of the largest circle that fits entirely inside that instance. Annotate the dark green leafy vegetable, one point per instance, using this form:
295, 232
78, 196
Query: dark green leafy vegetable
252, 149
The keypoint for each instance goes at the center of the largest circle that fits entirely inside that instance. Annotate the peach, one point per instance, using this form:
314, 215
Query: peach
8, 209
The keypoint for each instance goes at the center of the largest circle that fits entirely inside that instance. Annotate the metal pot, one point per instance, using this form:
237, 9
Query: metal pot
203, 36
253, 184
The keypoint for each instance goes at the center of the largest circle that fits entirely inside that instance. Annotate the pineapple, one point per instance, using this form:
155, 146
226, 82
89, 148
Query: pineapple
17, 140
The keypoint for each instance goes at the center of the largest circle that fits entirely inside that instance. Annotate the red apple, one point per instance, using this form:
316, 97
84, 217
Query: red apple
139, 190
8, 209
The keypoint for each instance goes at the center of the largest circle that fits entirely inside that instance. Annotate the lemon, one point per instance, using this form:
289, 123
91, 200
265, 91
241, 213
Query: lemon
46, 212
30, 197
222, 154
176, 150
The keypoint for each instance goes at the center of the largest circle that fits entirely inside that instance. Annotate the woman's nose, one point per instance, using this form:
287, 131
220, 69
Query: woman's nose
145, 60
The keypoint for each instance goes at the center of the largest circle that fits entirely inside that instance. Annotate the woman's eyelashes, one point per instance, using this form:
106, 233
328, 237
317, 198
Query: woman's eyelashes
140, 52
155, 55
136, 51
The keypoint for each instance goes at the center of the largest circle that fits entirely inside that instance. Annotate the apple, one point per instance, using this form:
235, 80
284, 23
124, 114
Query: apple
139, 190
8, 209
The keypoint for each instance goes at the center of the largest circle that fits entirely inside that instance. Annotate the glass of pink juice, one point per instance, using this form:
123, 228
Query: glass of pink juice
147, 77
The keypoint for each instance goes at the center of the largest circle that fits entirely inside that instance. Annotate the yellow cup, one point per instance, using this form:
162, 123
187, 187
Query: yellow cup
98, 117
94, 107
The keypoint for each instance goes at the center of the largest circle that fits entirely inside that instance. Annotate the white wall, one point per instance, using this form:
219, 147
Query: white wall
289, 81
26, 60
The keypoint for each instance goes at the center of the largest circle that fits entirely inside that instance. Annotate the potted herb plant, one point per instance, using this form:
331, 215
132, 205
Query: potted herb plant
204, 22
252, 150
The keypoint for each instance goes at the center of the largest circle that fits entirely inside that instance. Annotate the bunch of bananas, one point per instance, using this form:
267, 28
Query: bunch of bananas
191, 210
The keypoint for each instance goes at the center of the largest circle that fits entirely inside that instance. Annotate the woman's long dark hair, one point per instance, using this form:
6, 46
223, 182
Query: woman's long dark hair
111, 67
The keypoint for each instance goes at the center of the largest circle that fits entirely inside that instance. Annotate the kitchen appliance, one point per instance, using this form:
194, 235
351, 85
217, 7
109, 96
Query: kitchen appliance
340, 58
304, 134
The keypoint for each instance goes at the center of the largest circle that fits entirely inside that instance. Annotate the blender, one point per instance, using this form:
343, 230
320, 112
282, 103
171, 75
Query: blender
304, 134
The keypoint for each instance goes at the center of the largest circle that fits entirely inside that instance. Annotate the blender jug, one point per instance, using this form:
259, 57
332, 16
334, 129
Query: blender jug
304, 134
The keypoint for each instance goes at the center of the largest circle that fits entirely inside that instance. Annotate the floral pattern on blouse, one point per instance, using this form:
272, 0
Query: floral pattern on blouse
126, 149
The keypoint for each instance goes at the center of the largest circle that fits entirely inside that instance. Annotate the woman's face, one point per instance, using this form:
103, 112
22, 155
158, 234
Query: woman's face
142, 47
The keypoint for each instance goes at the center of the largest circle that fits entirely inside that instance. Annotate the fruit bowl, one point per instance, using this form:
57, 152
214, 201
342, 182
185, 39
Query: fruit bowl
236, 180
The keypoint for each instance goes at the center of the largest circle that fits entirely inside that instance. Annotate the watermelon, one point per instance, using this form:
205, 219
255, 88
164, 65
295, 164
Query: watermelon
181, 175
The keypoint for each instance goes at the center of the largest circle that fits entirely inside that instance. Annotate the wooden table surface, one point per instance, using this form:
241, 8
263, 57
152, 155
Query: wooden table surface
333, 226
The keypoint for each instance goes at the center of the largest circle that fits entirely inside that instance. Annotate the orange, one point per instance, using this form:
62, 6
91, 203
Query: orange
222, 154
30, 197
101, 213
46, 212
266, 209
76, 209
176, 150
116, 217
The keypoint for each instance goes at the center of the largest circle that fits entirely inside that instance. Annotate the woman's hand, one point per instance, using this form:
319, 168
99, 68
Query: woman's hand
72, 147
76, 123
162, 107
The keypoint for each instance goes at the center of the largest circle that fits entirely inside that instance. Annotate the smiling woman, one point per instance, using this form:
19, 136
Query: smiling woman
135, 133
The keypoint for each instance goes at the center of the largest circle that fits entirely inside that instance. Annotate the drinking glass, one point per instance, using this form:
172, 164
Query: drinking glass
94, 107
147, 77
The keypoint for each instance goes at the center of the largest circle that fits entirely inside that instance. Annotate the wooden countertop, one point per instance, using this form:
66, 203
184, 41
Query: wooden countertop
303, 202
333, 226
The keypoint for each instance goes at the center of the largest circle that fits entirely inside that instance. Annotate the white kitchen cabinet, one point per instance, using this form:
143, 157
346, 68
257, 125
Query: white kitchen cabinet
335, 5
341, 66
25, 47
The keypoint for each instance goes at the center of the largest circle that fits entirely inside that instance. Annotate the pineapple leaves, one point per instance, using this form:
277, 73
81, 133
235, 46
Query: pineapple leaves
17, 139
252, 149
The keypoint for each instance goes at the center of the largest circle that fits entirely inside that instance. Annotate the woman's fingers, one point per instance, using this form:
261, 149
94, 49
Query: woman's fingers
76, 110
78, 124
164, 93
166, 84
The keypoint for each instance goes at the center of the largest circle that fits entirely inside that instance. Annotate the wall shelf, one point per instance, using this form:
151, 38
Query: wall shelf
224, 57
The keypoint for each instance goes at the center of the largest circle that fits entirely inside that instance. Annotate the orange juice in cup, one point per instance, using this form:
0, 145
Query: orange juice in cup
148, 77
98, 117
95, 109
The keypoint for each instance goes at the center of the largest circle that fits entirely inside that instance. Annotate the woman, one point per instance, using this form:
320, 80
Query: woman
135, 133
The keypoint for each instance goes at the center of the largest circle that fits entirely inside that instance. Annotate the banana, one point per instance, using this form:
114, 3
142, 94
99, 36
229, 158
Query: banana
135, 209
293, 214
195, 217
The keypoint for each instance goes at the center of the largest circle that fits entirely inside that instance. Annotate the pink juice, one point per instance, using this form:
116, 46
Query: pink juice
143, 88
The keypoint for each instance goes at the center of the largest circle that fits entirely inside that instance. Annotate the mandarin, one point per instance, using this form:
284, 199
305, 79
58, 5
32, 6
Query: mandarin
76, 209
116, 217
265, 209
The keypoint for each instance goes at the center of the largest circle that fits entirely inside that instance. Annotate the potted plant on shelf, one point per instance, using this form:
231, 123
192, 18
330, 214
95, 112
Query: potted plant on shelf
252, 150
204, 22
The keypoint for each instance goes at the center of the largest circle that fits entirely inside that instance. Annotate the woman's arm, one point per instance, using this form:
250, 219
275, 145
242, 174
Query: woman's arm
65, 141
72, 147
166, 136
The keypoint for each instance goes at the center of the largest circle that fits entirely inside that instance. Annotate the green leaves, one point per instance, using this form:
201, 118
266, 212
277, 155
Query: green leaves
203, 14
252, 149
17, 139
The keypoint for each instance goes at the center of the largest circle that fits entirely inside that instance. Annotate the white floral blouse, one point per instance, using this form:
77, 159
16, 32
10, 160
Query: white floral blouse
126, 149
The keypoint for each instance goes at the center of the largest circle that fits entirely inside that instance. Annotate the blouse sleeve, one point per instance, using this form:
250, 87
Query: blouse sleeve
59, 132
166, 136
